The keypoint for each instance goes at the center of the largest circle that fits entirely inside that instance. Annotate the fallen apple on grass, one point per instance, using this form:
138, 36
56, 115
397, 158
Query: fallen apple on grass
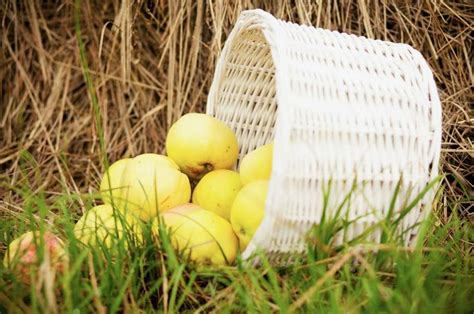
27, 253
201, 235
112, 184
146, 185
102, 225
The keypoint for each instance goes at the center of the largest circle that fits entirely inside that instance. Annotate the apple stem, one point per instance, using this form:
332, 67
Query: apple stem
209, 167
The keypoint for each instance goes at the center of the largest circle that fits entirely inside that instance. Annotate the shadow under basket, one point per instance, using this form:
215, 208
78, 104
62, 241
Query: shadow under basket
351, 118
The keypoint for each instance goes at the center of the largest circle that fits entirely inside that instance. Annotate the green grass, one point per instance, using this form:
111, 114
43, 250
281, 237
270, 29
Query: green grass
434, 277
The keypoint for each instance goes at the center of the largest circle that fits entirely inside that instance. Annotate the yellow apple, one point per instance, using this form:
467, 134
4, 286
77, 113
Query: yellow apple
216, 191
201, 235
200, 143
248, 210
257, 165
119, 178
154, 185
23, 254
135, 183
157, 159
112, 183
102, 225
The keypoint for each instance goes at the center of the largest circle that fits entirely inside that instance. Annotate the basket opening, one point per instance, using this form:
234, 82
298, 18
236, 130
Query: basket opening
243, 94
245, 99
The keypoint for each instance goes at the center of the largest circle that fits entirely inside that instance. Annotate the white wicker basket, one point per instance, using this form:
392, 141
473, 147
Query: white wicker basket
338, 107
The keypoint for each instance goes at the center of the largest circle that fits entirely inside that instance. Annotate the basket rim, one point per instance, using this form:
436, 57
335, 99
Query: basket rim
274, 37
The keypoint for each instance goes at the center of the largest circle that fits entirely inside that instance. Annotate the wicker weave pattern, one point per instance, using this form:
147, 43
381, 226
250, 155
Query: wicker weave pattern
338, 107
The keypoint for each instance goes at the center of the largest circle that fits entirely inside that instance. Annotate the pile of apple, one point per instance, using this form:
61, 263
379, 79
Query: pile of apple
210, 224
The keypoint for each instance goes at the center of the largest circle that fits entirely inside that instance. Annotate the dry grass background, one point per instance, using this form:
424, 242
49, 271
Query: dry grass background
152, 61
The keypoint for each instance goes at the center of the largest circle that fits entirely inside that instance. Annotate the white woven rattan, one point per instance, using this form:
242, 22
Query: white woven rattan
338, 107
